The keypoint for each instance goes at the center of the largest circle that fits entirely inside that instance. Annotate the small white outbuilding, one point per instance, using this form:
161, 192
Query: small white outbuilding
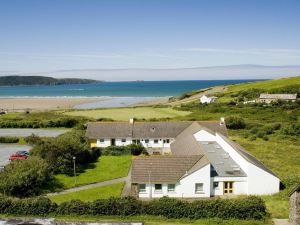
207, 99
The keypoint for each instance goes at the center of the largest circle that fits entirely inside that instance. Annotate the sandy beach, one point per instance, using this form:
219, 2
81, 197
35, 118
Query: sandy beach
45, 103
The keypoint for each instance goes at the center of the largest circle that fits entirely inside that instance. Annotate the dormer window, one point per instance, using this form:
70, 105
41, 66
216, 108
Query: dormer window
152, 129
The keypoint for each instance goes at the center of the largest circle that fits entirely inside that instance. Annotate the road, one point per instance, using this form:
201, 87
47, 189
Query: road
7, 149
27, 132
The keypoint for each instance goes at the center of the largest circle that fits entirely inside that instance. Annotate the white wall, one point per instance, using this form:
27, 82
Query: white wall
106, 143
203, 135
261, 182
185, 188
240, 185
120, 143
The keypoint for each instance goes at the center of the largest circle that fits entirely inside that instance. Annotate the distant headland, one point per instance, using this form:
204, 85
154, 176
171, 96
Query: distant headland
41, 80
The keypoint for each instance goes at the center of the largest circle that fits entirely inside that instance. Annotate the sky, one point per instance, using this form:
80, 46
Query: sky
40, 35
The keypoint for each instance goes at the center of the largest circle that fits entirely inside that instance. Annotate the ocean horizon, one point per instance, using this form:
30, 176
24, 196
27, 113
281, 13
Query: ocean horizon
114, 89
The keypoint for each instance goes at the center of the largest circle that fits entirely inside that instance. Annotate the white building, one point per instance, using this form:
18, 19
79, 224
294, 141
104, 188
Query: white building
207, 99
202, 160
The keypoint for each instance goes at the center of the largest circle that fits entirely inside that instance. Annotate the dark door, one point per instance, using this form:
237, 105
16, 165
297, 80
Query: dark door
113, 142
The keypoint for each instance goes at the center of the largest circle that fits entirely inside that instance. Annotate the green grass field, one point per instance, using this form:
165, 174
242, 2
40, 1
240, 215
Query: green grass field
267, 85
124, 114
157, 220
106, 168
113, 190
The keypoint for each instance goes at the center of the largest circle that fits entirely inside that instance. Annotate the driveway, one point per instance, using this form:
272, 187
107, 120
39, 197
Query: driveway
7, 149
27, 132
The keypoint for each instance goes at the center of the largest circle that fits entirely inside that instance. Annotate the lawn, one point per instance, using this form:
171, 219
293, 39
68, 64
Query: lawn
157, 220
113, 190
124, 114
106, 168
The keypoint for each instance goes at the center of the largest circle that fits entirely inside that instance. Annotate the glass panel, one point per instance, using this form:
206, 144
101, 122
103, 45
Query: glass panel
171, 187
158, 187
199, 187
142, 187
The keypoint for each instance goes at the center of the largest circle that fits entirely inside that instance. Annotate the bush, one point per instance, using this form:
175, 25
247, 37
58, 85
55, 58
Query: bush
132, 149
59, 152
235, 122
9, 139
24, 177
292, 130
251, 207
33, 139
30, 206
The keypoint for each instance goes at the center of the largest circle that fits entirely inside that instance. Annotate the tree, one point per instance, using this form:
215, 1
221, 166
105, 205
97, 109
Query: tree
59, 152
235, 122
24, 177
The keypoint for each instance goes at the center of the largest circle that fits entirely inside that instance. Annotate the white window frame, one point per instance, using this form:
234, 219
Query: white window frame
155, 141
101, 140
199, 191
158, 190
171, 189
123, 140
142, 190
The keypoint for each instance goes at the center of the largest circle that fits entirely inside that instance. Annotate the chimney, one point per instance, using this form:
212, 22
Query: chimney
222, 121
131, 120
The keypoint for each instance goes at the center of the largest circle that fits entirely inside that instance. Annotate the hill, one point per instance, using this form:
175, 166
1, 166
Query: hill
41, 80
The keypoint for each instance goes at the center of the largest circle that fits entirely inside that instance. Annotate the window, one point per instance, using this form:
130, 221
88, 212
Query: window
123, 140
199, 188
101, 140
155, 141
142, 188
171, 187
168, 141
146, 141
158, 187
216, 184
228, 187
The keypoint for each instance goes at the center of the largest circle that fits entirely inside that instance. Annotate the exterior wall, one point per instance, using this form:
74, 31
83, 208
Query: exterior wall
257, 178
261, 182
106, 143
203, 135
240, 185
93, 143
119, 142
185, 188
295, 208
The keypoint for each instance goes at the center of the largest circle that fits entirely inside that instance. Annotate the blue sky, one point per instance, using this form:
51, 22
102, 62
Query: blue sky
40, 35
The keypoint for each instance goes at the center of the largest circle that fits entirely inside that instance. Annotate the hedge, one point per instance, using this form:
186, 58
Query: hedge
8, 139
62, 122
251, 207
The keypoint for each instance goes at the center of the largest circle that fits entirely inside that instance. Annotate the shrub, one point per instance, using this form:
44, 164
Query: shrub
30, 206
24, 177
251, 207
33, 139
59, 152
132, 149
235, 122
292, 130
9, 139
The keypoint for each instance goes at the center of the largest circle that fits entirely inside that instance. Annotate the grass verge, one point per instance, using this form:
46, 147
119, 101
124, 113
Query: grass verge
106, 168
113, 190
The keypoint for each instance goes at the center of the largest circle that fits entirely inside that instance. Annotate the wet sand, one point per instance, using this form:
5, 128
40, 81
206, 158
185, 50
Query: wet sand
45, 103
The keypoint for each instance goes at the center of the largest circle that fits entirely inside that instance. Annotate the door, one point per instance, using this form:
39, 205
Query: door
228, 187
113, 142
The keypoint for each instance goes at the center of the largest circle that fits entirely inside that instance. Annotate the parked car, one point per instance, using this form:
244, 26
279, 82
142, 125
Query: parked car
19, 155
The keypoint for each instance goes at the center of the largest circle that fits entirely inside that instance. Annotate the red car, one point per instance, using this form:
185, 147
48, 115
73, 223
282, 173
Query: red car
19, 155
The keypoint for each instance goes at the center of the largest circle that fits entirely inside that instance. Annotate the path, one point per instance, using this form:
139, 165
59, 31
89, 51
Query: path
88, 186
125, 192
281, 222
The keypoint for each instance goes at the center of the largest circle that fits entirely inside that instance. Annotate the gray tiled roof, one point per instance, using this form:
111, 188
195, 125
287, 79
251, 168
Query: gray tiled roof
146, 129
165, 169
278, 96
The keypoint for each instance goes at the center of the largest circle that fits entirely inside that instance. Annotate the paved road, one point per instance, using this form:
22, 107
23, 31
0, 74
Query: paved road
7, 149
28, 132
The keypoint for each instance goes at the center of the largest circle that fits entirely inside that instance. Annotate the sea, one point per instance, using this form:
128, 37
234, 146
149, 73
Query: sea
118, 94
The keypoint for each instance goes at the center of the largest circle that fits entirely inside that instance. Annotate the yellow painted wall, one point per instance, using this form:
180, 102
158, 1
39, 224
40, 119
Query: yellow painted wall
93, 143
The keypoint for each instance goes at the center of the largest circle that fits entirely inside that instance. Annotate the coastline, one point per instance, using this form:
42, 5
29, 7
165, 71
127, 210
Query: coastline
47, 103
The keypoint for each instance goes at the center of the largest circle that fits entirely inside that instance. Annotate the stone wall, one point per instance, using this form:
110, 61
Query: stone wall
295, 208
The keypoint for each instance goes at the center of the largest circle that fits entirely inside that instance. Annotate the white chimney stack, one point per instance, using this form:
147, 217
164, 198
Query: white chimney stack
131, 120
